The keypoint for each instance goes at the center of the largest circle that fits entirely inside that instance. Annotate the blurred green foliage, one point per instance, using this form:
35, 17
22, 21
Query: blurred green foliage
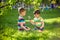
9, 29
9, 18
9, 3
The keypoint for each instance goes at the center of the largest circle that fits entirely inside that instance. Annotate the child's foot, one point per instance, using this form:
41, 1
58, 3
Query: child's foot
21, 29
40, 31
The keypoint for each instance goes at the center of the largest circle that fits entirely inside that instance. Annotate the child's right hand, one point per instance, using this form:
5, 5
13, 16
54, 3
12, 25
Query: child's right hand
40, 31
27, 29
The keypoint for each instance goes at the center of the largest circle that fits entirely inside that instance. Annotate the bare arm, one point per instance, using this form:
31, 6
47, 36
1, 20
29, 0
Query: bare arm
32, 22
42, 23
23, 26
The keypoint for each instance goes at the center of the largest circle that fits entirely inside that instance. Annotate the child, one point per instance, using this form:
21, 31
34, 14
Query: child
21, 21
38, 21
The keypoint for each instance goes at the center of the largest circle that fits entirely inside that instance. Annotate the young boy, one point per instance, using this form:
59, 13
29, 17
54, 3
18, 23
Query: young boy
38, 21
21, 21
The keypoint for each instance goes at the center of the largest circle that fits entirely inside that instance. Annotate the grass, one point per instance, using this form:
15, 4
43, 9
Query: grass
9, 30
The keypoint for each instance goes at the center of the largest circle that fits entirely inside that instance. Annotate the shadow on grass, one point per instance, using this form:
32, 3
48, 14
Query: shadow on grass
52, 26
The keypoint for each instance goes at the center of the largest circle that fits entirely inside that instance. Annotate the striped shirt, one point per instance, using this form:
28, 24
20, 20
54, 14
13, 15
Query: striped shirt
21, 20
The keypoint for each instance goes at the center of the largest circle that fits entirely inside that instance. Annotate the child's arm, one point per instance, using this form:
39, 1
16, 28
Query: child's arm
42, 22
32, 22
23, 26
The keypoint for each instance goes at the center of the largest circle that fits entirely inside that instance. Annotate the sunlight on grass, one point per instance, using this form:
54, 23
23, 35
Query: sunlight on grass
52, 20
58, 6
1, 13
42, 36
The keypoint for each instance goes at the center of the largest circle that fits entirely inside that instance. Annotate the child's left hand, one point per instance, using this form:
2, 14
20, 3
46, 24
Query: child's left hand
28, 28
41, 27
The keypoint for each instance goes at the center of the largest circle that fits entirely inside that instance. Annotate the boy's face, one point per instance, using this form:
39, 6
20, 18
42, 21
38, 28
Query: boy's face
37, 15
23, 13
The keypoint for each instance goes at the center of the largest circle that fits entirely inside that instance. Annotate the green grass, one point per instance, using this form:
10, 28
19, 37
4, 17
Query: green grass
9, 30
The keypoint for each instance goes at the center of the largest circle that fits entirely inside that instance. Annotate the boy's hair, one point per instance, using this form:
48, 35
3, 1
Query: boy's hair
21, 10
37, 12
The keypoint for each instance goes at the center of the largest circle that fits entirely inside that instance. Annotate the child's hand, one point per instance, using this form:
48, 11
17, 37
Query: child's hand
27, 29
41, 27
40, 31
30, 20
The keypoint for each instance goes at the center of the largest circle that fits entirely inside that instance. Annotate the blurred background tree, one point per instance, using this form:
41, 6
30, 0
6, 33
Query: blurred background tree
7, 4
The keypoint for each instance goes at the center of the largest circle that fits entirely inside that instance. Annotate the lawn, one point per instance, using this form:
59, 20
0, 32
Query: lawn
9, 29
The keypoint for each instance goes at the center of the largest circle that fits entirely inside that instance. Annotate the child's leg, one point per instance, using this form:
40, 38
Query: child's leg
40, 29
20, 28
26, 27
